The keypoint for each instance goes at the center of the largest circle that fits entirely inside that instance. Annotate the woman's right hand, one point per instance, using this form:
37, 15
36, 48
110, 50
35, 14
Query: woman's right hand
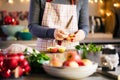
60, 34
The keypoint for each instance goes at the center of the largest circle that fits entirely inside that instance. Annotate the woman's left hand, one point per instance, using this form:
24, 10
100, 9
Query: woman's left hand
79, 35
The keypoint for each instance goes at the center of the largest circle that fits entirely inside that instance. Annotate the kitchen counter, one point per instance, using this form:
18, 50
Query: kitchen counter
32, 43
98, 38
100, 35
95, 76
44, 76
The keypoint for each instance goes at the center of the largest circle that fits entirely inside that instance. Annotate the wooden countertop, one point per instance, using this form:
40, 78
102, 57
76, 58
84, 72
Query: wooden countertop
44, 76
95, 76
32, 43
98, 38
110, 75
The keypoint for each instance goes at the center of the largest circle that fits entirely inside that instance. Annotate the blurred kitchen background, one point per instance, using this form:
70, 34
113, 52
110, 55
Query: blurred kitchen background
104, 17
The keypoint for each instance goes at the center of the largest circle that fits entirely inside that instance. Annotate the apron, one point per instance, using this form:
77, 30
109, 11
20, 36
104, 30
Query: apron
57, 16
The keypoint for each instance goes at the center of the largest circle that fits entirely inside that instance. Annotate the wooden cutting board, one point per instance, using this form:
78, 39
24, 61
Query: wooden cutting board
113, 74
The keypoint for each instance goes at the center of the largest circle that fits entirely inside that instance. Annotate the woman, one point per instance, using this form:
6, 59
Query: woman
53, 20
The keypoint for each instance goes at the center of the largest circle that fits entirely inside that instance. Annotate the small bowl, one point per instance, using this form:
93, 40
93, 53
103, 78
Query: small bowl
25, 35
10, 30
71, 72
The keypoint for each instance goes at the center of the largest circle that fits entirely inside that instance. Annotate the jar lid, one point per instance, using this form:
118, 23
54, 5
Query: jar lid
108, 51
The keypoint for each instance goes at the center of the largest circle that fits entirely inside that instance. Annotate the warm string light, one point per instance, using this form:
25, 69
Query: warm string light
27, 0
21, 0
108, 14
116, 5
101, 1
91, 1
95, 1
24, 0
10, 1
102, 11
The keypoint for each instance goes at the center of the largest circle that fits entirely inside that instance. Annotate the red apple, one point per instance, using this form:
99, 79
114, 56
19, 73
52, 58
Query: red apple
1, 57
70, 63
81, 63
24, 63
52, 49
21, 57
6, 73
72, 55
8, 20
1, 60
27, 69
13, 56
12, 61
14, 21
1, 64
18, 72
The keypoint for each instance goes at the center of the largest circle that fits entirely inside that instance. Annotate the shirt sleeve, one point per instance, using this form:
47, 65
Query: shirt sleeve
83, 20
34, 19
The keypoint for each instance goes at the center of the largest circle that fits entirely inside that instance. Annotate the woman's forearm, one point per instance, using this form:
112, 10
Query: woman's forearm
41, 32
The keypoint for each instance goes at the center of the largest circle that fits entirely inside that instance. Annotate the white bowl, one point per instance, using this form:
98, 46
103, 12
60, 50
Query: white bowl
10, 30
71, 72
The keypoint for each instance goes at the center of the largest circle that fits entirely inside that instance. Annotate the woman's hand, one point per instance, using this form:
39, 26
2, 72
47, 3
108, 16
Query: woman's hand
60, 34
79, 35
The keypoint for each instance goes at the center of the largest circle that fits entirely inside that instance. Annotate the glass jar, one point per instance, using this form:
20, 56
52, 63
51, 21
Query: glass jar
109, 59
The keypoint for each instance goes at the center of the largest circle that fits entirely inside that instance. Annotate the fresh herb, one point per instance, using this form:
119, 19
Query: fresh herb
36, 59
94, 48
89, 48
